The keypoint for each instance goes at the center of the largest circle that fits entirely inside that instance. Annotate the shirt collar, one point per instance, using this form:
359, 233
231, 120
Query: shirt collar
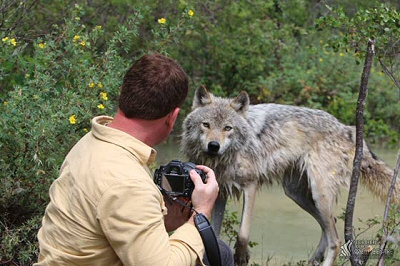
143, 152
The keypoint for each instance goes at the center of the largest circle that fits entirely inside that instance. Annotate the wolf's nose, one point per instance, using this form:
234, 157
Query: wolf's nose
213, 146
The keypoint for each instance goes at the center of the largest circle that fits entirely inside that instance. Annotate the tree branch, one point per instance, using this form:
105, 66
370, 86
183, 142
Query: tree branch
348, 230
386, 214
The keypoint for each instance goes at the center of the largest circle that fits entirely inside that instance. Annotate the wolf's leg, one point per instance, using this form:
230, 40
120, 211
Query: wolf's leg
324, 200
217, 215
332, 237
298, 190
242, 254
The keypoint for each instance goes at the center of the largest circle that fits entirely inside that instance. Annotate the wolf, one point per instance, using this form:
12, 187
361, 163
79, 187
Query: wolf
308, 151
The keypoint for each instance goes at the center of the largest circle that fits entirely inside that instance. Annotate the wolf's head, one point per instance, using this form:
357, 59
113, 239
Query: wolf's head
216, 127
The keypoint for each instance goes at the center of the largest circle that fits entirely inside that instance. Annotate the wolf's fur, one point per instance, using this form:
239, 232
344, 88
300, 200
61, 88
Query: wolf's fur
308, 151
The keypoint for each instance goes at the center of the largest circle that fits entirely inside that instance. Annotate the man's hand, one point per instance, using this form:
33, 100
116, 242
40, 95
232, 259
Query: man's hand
177, 214
204, 194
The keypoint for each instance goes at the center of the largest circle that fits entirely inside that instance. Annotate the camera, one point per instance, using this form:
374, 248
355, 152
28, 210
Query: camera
174, 178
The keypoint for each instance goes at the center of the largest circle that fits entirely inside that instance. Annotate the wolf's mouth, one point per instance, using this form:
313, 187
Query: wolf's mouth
212, 153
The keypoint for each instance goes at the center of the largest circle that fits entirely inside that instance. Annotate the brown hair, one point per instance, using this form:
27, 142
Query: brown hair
153, 87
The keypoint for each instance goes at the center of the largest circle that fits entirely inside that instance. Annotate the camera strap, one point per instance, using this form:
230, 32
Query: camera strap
209, 240
206, 232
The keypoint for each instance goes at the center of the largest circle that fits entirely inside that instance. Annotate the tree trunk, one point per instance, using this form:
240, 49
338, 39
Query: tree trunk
348, 230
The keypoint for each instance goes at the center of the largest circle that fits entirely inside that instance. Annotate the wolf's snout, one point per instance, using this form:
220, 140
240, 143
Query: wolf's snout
213, 147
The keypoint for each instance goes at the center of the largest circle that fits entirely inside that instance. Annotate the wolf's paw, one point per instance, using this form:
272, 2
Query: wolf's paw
242, 254
242, 259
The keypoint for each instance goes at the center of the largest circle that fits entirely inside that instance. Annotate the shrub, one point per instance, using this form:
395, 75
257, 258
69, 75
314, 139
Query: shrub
61, 81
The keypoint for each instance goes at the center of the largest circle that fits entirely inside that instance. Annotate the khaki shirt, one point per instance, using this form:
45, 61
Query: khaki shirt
106, 210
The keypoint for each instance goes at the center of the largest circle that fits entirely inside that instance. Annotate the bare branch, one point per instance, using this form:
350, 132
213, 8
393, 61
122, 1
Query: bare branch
389, 73
348, 230
13, 13
389, 60
386, 214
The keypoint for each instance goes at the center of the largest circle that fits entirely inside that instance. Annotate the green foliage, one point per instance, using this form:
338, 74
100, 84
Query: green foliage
303, 82
229, 225
381, 24
380, 132
60, 82
392, 238
233, 45
19, 244
276, 58
229, 228
59, 69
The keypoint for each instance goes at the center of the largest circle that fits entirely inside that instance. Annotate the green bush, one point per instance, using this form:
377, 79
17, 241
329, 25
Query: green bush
52, 84
351, 33
61, 81
319, 78
279, 59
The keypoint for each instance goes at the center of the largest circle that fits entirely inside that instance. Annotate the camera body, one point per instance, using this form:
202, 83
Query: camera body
175, 180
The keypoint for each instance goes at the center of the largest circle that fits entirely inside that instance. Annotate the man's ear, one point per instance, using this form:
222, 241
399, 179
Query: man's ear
171, 118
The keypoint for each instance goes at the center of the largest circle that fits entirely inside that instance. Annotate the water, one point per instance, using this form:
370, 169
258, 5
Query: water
284, 232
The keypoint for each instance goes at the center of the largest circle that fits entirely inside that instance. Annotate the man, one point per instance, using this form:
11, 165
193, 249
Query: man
105, 208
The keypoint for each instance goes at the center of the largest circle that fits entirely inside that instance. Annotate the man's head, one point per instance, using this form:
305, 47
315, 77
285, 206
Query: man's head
153, 87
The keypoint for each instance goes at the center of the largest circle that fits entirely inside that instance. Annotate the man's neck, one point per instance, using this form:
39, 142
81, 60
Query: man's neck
147, 131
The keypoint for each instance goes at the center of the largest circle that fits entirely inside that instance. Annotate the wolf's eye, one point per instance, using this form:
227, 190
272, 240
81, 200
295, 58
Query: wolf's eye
228, 128
206, 125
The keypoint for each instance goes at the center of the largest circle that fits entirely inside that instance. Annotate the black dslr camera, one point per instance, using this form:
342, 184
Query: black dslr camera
174, 178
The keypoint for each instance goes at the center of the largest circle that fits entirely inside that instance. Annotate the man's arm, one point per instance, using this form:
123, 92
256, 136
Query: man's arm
130, 214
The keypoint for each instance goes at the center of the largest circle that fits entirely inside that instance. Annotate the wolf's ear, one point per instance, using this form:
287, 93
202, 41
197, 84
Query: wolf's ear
201, 98
241, 103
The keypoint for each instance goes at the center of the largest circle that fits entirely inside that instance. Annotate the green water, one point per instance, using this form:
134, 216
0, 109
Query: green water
284, 232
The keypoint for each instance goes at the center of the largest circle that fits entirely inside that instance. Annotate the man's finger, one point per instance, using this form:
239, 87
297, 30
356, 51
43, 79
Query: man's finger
196, 178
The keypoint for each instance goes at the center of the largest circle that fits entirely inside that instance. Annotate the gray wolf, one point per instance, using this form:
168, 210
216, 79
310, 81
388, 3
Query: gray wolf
309, 152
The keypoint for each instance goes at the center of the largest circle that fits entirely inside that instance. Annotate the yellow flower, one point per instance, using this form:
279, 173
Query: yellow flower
98, 27
100, 85
100, 106
91, 84
162, 20
5, 39
76, 38
86, 130
103, 95
190, 13
42, 45
13, 42
341, 54
83, 43
5, 102
321, 60
72, 119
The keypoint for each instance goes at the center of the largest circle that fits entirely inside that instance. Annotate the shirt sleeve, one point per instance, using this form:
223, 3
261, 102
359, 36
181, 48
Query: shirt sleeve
130, 214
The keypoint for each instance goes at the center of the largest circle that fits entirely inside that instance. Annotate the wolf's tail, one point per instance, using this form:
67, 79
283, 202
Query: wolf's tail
378, 176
